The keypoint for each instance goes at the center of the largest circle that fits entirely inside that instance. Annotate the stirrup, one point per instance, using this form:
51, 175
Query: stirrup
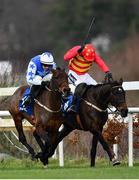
72, 108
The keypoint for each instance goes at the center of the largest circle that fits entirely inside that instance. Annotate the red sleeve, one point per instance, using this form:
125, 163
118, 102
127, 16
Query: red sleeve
71, 53
99, 61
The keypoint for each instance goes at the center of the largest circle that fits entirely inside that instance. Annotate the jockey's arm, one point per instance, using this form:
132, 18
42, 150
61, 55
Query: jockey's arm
71, 53
31, 77
99, 61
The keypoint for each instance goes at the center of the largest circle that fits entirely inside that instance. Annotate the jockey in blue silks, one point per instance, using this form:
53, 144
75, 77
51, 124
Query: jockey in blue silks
38, 73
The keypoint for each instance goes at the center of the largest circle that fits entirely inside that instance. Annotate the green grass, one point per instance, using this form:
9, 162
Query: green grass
78, 169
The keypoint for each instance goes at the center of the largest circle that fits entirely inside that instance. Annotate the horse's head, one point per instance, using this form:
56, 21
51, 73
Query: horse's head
59, 81
117, 97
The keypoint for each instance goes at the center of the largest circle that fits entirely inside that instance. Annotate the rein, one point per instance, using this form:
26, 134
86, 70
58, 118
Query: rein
48, 88
93, 106
46, 108
97, 108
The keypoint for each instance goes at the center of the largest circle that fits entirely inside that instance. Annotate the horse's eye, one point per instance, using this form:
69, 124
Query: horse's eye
119, 90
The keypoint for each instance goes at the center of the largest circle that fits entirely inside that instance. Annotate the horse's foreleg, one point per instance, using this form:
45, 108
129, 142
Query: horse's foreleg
106, 147
43, 155
40, 134
22, 138
93, 150
52, 141
59, 136
39, 140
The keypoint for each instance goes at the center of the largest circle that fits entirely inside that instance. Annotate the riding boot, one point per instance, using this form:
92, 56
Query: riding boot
34, 92
73, 106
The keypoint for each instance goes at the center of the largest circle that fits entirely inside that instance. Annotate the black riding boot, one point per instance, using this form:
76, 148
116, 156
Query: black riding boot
34, 92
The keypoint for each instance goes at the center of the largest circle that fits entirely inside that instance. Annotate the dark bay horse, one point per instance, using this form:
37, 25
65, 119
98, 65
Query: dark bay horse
93, 114
47, 110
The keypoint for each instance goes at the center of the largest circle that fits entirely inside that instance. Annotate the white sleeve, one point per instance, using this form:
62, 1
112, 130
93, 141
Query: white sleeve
31, 77
48, 77
54, 65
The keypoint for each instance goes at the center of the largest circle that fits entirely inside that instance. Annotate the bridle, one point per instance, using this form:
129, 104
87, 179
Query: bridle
53, 90
104, 110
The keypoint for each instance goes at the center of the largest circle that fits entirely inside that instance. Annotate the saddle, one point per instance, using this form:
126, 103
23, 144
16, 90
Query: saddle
35, 90
81, 90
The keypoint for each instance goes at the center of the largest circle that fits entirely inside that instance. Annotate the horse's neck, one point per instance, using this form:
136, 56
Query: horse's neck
51, 98
95, 97
104, 95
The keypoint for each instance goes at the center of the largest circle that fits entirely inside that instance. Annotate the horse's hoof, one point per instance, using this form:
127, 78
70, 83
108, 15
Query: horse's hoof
43, 160
33, 158
45, 166
115, 162
92, 164
38, 155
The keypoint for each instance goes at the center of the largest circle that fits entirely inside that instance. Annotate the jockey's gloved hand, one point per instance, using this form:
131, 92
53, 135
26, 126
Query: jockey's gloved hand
80, 49
108, 76
44, 83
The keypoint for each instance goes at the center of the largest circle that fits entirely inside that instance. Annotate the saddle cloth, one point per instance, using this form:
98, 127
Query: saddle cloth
28, 109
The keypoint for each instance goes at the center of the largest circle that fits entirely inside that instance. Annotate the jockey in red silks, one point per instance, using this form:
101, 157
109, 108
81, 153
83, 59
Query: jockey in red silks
81, 60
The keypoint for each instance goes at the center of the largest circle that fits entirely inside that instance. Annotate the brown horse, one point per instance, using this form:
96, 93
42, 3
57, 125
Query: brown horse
93, 103
47, 110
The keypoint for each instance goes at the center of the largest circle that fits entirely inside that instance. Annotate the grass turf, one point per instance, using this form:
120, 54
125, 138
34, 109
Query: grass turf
78, 169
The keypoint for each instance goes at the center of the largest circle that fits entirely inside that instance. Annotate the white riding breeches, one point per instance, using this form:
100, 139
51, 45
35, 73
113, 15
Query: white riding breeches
76, 79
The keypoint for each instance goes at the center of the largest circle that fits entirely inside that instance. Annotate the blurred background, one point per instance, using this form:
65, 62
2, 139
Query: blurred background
30, 27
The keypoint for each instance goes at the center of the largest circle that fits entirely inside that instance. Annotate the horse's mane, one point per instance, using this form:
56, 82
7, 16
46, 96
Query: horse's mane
82, 88
112, 83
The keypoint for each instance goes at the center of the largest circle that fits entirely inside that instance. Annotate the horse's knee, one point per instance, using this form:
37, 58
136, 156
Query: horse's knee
22, 139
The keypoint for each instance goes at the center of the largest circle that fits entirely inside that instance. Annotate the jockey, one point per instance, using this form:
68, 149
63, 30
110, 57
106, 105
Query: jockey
80, 60
38, 74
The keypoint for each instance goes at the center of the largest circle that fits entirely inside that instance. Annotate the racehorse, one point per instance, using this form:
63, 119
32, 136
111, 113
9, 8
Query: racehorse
92, 115
47, 110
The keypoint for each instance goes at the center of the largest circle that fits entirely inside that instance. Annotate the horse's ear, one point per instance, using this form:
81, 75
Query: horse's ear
58, 68
121, 81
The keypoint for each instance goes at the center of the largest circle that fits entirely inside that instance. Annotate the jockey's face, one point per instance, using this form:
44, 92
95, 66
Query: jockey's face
46, 66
